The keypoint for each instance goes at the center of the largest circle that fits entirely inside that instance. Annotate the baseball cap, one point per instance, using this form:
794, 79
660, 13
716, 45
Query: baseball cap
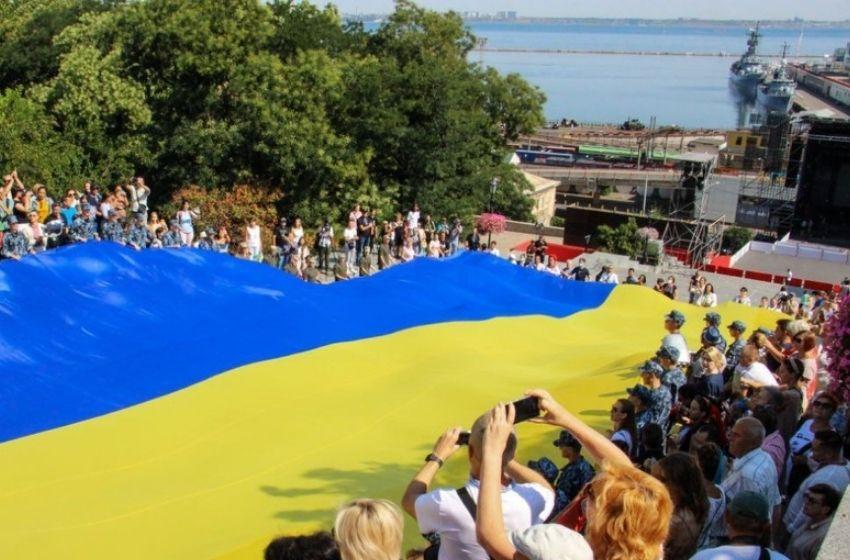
550, 541
652, 367
750, 505
642, 392
676, 316
739, 326
566, 439
712, 336
669, 352
11, 220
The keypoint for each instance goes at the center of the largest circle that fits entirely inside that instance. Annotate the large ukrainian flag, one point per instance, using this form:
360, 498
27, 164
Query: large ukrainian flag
178, 404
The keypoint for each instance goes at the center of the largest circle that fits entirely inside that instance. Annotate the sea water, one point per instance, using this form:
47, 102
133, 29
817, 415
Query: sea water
685, 89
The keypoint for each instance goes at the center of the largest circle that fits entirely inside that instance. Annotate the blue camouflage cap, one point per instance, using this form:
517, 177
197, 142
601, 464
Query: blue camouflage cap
765, 331
652, 367
545, 467
677, 317
642, 392
669, 352
712, 336
566, 439
11, 220
713, 318
739, 326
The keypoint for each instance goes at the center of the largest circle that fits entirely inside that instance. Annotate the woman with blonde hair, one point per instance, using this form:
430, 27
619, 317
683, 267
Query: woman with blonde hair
369, 530
628, 511
710, 383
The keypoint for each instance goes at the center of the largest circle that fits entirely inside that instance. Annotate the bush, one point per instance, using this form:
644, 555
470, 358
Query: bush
736, 237
623, 240
836, 346
231, 208
557, 221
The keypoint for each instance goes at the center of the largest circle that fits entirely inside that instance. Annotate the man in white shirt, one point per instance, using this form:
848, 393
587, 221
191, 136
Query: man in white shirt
833, 470
607, 276
673, 321
821, 501
752, 470
527, 499
743, 297
751, 372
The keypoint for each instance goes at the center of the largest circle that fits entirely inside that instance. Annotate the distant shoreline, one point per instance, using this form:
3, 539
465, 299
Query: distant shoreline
792, 24
634, 53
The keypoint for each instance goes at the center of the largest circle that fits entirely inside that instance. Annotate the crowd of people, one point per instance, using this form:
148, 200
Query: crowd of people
31, 221
732, 450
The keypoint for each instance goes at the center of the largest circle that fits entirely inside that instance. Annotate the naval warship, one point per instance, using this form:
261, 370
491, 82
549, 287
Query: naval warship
747, 72
774, 94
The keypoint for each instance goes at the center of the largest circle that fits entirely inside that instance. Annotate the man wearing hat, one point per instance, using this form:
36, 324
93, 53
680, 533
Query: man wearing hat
673, 322
641, 398
112, 230
713, 320
743, 297
673, 378
662, 399
574, 475
15, 243
747, 521
139, 235
84, 228
171, 238
733, 353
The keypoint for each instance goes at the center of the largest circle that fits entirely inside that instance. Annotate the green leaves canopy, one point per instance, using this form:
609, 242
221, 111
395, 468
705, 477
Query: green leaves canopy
280, 94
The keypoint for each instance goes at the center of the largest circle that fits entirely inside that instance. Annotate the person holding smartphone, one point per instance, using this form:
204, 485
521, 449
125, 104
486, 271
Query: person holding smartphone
526, 497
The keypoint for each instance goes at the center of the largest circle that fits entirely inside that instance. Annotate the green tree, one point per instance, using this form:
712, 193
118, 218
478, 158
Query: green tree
28, 53
29, 143
622, 240
736, 237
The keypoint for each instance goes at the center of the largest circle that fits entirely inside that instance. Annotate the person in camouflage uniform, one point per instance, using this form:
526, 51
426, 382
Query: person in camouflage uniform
205, 242
641, 398
15, 244
733, 353
712, 320
84, 228
112, 230
171, 238
673, 378
574, 475
139, 235
662, 399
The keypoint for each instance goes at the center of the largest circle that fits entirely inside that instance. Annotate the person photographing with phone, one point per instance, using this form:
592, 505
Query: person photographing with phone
526, 497
628, 511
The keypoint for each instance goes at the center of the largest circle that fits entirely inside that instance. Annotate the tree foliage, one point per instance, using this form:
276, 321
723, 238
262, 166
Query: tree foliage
280, 95
622, 240
734, 238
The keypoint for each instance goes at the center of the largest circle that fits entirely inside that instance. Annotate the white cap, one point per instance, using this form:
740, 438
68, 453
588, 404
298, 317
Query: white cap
551, 542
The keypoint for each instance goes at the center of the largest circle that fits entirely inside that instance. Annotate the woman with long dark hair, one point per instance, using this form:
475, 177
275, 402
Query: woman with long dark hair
624, 432
681, 475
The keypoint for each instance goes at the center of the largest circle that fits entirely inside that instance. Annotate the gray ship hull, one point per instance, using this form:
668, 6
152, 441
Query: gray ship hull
773, 103
746, 86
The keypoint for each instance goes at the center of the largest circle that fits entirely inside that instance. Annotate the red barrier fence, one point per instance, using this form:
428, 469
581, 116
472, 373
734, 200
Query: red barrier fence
561, 252
719, 265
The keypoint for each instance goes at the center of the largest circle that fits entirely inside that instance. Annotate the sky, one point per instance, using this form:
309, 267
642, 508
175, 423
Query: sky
649, 9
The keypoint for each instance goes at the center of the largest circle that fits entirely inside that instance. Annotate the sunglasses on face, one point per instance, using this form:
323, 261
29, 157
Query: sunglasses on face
821, 404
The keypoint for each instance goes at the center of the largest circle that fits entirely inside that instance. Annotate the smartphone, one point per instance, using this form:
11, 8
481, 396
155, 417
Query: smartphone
526, 409
463, 438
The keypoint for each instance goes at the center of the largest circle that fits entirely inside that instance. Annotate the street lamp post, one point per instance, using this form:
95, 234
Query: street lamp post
494, 185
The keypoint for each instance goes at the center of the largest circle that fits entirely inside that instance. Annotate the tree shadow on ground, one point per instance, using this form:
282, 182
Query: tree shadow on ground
373, 480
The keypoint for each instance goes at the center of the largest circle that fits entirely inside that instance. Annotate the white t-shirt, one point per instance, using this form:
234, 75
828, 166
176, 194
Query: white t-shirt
413, 219
678, 341
758, 373
553, 270
254, 241
349, 234
734, 552
442, 511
